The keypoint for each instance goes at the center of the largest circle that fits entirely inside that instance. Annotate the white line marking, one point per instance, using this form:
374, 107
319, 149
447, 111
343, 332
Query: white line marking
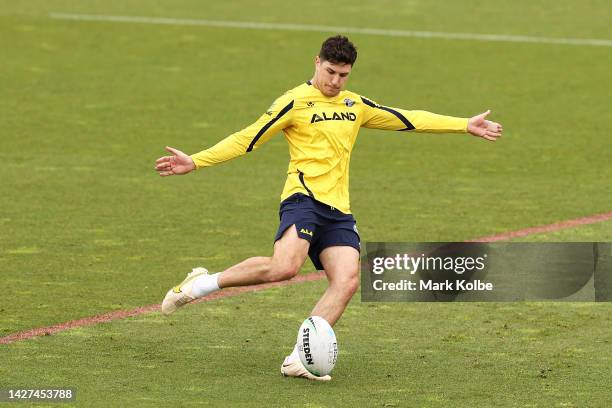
332, 29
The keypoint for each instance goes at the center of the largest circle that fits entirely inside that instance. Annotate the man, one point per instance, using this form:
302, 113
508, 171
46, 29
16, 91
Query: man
320, 122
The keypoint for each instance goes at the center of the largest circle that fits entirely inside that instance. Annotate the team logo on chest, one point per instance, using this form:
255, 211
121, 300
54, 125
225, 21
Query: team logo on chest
350, 116
349, 102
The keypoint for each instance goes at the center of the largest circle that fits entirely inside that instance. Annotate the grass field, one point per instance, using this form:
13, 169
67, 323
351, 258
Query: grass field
87, 227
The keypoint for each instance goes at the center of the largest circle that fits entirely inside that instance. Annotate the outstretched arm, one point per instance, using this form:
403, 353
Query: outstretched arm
383, 117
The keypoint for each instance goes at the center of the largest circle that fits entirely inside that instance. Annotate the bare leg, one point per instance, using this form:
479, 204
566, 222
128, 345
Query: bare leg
341, 265
289, 255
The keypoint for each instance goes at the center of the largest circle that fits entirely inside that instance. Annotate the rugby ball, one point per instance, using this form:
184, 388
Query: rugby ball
317, 346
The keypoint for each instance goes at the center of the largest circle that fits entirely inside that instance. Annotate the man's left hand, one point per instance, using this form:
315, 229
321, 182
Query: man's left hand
481, 127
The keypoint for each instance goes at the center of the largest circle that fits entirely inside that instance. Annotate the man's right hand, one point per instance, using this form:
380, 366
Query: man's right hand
177, 164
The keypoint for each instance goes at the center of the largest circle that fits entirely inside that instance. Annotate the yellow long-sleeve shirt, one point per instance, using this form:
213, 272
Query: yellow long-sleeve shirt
321, 132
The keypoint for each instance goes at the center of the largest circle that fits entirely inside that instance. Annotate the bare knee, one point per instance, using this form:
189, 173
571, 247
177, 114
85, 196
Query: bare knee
347, 285
352, 285
282, 271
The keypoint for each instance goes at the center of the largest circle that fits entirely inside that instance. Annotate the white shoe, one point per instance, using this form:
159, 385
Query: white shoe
295, 368
181, 294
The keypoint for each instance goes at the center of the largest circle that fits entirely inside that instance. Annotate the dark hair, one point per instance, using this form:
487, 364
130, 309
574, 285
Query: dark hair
338, 50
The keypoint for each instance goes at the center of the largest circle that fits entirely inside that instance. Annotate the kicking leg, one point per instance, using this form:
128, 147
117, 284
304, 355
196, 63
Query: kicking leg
290, 252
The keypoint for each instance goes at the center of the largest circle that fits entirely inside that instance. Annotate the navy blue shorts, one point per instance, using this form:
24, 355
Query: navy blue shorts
321, 225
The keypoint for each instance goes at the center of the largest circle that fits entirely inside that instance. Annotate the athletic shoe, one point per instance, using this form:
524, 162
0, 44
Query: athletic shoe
295, 368
181, 294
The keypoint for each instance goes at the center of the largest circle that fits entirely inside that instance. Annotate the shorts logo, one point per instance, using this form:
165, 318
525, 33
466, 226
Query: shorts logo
305, 231
355, 229
349, 102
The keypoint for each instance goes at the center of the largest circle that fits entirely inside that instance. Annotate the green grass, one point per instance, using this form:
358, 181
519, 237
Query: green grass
87, 227
229, 351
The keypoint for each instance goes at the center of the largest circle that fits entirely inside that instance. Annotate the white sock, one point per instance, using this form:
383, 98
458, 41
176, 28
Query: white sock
294, 354
205, 285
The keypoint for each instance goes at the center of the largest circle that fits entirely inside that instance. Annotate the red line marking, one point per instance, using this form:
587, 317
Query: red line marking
589, 219
122, 314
